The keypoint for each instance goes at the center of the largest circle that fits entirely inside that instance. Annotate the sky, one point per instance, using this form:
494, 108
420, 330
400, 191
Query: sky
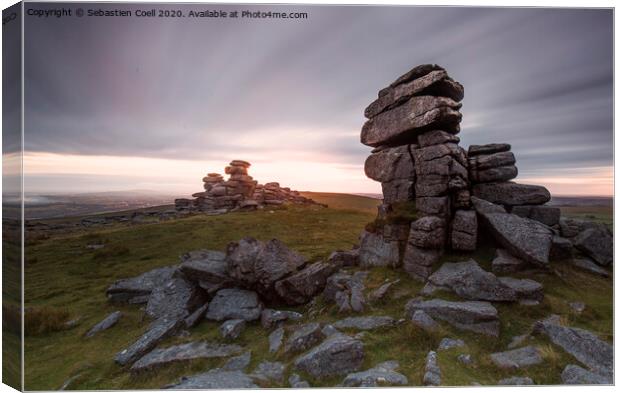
116, 103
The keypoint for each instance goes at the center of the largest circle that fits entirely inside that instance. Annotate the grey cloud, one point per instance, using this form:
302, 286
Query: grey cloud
537, 78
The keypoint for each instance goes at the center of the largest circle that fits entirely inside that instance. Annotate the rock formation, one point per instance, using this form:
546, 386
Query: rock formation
239, 192
436, 194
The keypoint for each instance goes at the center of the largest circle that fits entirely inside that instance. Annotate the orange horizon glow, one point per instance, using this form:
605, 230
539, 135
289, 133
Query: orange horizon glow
185, 176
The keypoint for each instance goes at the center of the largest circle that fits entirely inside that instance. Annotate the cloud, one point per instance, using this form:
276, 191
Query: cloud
539, 79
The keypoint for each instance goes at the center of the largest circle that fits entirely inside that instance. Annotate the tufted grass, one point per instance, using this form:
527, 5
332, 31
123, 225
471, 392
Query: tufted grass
68, 276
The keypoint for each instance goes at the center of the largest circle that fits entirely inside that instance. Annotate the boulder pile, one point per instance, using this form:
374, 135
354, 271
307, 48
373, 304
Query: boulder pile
437, 195
239, 192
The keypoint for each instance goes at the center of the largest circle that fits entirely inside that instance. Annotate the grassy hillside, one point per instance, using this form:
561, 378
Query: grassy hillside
66, 280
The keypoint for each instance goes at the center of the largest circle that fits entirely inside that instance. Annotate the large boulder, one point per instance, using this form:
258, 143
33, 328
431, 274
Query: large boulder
138, 289
418, 262
339, 354
469, 281
436, 83
493, 160
206, 267
585, 346
301, 287
499, 174
234, 303
597, 243
177, 298
548, 215
491, 148
512, 194
375, 251
403, 123
475, 316
390, 164
259, 265
428, 232
524, 238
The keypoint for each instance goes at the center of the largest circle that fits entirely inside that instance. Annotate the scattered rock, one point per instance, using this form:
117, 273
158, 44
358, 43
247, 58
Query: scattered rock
465, 359
469, 281
126, 289
517, 358
382, 374
577, 307
158, 331
525, 288
424, 321
233, 303
216, 379
479, 317
232, 328
432, 373
589, 266
598, 244
105, 324
328, 330
586, 347
516, 381
339, 354
238, 363
304, 337
346, 291
296, 382
270, 318
275, 339
269, 371
449, 343
365, 323
183, 352
379, 293
505, 263
518, 341
575, 375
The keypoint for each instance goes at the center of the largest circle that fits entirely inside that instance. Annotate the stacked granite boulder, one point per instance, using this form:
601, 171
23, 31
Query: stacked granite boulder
239, 192
412, 126
435, 194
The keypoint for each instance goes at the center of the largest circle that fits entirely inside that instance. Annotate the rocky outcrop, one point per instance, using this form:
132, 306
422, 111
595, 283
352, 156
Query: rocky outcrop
176, 298
138, 289
239, 192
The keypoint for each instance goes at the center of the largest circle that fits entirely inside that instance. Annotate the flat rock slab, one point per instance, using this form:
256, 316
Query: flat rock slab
105, 324
365, 323
158, 331
516, 381
511, 194
575, 375
304, 337
239, 363
183, 352
517, 358
269, 371
339, 354
589, 266
505, 263
233, 303
524, 238
126, 289
525, 288
382, 374
216, 379
585, 346
479, 317
469, 281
